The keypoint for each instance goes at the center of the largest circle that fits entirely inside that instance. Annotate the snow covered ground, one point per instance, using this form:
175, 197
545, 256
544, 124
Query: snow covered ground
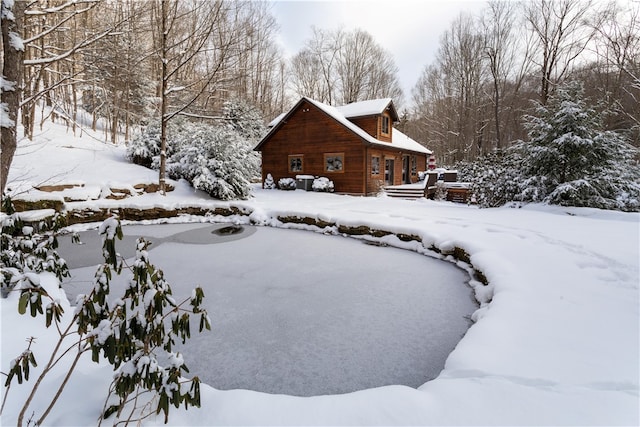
555, 342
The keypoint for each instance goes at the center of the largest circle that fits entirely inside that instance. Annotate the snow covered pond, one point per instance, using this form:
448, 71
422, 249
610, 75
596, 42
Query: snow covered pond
300, 313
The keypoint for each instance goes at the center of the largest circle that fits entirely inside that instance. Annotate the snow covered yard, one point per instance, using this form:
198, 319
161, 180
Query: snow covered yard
556, 341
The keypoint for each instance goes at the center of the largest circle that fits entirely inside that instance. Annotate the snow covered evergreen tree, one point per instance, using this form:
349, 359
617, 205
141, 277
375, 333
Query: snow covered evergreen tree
218, 159
269, 183
244, 119
569, 160
144, 148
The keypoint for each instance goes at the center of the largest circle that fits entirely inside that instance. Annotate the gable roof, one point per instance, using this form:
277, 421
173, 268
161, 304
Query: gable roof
400, 140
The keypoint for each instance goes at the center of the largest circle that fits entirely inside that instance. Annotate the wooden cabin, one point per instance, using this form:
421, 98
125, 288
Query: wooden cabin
355, 146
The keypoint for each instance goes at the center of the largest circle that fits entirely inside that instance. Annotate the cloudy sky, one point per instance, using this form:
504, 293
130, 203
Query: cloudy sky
409, 29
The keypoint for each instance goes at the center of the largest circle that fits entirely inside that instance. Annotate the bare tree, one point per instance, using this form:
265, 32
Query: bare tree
615, 75
460, 59
259, 60
345, 66
433, 117
307, 75
563, 40
54, 40
498, 23
366, 70
563, 35
11, 16
117, 80
314, 67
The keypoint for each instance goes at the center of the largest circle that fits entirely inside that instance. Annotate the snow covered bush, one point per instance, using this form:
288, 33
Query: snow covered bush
135, 332
144, 148
287, 184
495, 178
27, 250
269, 183
322, 184
244, 119
568, 160
217, 158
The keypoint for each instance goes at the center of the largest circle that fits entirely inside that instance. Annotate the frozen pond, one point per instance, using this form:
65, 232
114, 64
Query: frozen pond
300, 313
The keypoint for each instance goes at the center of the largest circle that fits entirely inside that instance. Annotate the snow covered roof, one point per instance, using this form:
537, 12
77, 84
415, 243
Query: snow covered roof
368, 108
357, 109
402, 140
275, 121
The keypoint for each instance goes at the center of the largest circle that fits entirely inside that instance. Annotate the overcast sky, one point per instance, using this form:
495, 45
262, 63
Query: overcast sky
409, 29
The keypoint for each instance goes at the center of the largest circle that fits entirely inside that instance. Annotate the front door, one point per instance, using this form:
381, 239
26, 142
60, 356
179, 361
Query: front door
406, 177
389, 165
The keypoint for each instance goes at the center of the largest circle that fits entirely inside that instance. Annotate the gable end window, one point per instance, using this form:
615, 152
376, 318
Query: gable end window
334, 162
385, 125
296, 163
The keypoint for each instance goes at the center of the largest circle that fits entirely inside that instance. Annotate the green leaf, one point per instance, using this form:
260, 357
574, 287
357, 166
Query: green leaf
110, 411
22, 303
18, 370
25, 368
163, 405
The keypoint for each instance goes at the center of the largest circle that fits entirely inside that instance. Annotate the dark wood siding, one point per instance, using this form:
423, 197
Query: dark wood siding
369, 124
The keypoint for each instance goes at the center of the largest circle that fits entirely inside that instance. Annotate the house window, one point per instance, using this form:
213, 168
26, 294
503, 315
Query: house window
375, 165
334, 162
414, 165
385, 125
296, 163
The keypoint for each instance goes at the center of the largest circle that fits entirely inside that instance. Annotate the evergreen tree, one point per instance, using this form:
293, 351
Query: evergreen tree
269, 183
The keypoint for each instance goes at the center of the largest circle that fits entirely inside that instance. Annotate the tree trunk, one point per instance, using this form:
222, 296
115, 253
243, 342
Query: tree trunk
163, 101
12, 72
